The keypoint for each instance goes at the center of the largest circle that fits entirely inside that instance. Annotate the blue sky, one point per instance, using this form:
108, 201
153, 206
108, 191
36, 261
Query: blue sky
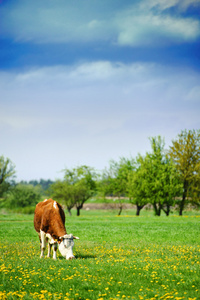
83, 82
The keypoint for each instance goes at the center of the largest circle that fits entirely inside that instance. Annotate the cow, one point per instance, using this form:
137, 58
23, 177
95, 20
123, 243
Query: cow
49, 222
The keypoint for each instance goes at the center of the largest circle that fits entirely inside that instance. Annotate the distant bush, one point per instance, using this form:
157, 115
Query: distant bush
28, 210
22, 196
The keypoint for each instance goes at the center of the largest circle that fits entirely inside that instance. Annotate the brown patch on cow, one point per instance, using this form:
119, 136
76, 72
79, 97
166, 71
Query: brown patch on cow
49, 219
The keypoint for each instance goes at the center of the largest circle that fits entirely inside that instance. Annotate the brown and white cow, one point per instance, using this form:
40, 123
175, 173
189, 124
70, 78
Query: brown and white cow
49, 222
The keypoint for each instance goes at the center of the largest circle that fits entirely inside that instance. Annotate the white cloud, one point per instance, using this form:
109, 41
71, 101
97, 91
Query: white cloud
181, 5
63, 22
92, 112
145, 27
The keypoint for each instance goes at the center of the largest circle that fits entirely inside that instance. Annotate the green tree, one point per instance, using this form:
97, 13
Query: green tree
194, 189
153, 163
114, 180
45, 184
7, 171
160, 180
171, 183
137, 186
64, 193
185, 152
23, 195
82, 184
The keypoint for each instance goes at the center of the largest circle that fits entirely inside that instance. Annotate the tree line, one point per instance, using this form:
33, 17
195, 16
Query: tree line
162, 177
43, 183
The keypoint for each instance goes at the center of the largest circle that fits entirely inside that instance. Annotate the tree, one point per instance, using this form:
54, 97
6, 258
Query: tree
152, 168
114, 180
194, 189
7, 171
136, 186
171, 184
81, 181
45, 184
64, 193
185, 152
160, 182
23, 195
165, 183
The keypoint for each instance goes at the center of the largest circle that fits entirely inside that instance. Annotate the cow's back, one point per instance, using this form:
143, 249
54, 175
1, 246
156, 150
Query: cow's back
45, 214
39, 211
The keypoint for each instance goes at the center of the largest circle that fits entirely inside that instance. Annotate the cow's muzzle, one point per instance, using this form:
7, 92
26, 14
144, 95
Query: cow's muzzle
71, 257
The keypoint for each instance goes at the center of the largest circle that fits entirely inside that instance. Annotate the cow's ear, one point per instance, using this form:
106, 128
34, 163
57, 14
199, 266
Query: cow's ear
76, 238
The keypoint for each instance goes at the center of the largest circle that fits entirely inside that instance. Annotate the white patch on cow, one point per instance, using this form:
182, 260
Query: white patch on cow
50, 239
48, 236
45, 200
55, 204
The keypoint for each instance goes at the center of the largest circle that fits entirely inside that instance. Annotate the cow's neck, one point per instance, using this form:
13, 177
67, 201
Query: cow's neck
57, 227
58, 230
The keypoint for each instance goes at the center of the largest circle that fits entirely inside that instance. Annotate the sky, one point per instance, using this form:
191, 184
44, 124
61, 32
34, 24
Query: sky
84, 82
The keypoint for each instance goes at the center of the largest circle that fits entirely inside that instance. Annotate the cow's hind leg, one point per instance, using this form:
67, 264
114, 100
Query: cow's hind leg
43, 242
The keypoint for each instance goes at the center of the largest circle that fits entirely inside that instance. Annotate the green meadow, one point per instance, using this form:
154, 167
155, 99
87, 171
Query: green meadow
124, 257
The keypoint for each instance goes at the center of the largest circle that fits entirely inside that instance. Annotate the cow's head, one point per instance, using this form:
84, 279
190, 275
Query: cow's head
66, 246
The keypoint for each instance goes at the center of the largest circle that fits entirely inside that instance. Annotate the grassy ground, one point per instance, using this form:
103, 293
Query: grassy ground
123, 257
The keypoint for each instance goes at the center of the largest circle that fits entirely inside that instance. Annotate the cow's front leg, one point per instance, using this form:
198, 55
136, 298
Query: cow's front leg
49, 250
43, 242
55, 247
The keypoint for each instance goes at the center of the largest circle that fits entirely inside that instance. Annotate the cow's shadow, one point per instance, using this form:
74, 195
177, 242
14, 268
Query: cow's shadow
81, 256
85, 256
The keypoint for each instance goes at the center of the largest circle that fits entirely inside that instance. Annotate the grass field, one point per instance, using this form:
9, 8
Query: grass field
123, 257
